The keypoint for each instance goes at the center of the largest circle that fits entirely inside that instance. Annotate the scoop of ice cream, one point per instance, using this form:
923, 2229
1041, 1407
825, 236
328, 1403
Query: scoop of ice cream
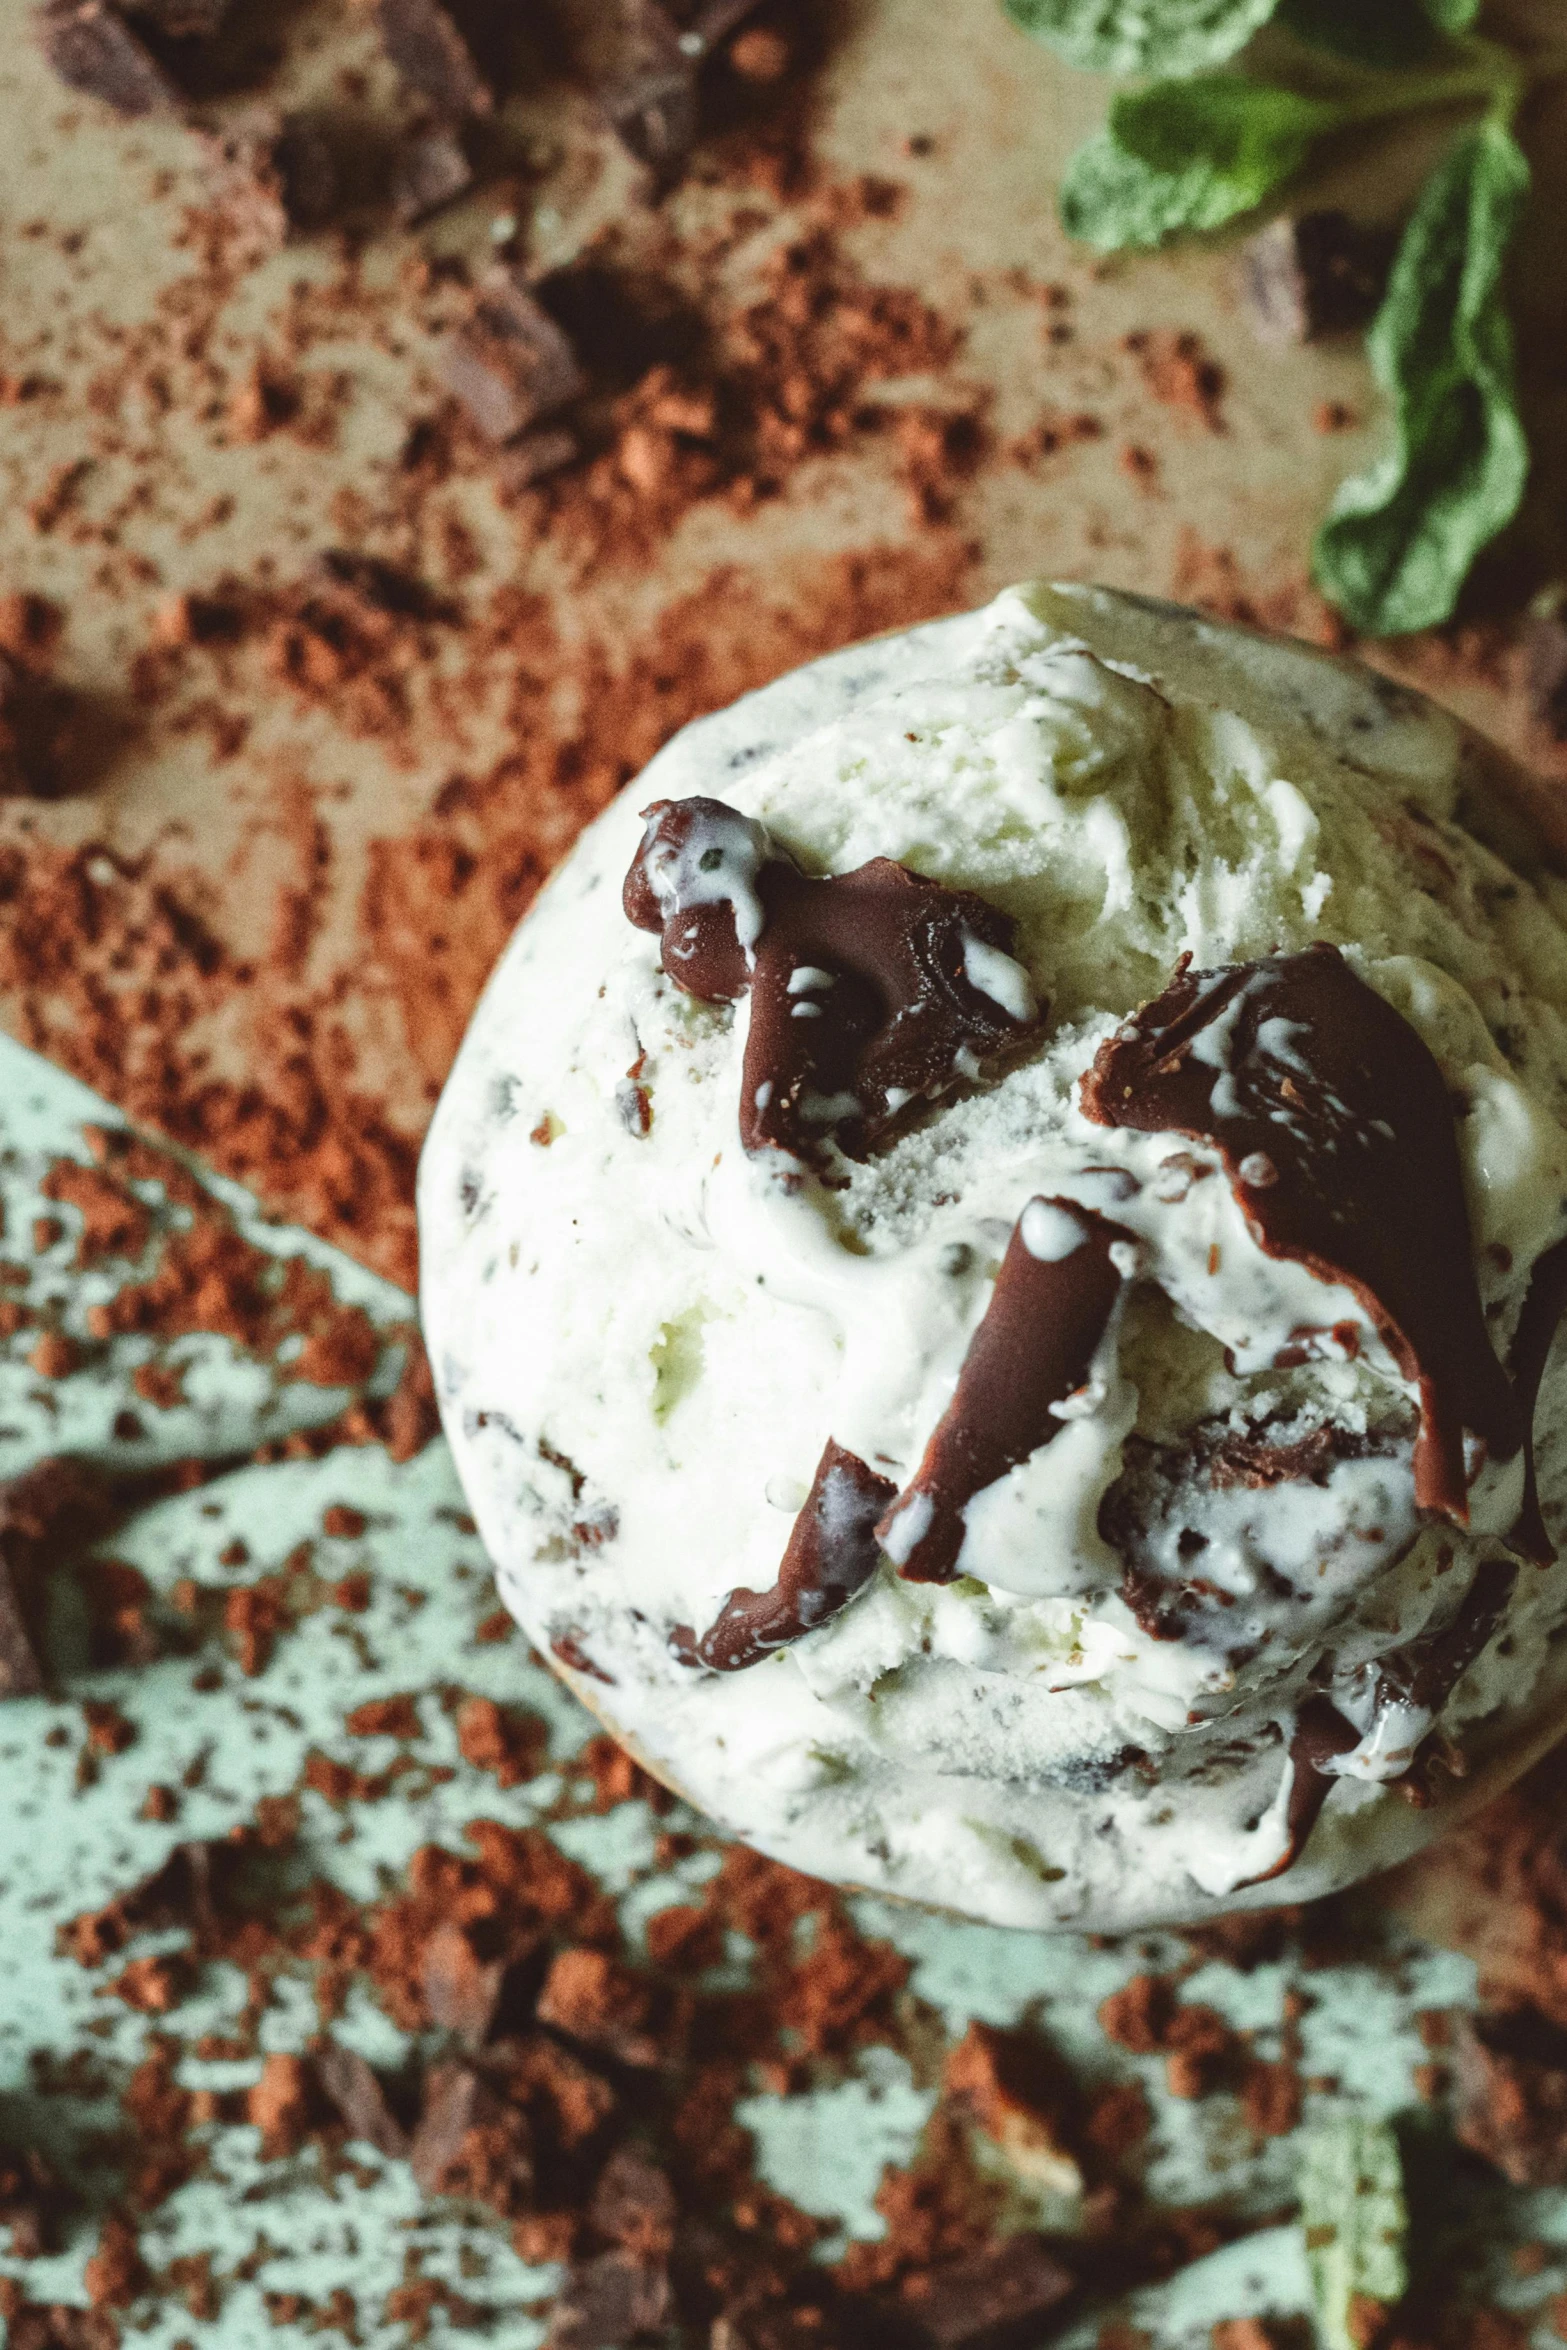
989, 1256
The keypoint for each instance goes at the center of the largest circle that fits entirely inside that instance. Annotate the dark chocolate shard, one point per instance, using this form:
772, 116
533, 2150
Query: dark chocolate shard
870, 991
634, 2204
509, 363
461, 1990
423, 42
46, 1514
92, 49
648, 88
1332, 1119
1318, 273
831, 1556
614, 2300
1034, 1348
429, 170
1007, 2298
1543, 1309
1511, 2104
355, 2090
466, 2135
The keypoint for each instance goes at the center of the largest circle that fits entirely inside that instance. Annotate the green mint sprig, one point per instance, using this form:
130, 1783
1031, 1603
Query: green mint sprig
1194, 149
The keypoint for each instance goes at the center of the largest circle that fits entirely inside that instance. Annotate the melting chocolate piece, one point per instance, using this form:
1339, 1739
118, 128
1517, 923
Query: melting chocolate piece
831, 1555
869, 990
1543, 1309
1051, 1305
1321, 1732
1333, 1122
1426, 1671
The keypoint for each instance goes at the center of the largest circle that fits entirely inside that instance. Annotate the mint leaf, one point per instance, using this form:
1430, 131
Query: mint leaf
1188, 155
1142, 36
1391, 33
1353, 2215
1454, 16
1399, 539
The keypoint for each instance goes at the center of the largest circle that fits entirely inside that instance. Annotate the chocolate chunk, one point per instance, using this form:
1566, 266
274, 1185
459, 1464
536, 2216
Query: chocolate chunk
93, 50
509, 363
461, 1990
1545, 647
429, 170
374, 588
45, 1513
422, 41
1511, 2078
567, 1645
869, 990
39, 733
609, 2303
1320, 273
649, 92
354, 2088
274, 172
997, 2300
831, 1555
1333, 1122
1050, 1308
467, 2140
634, 2204
304, 157
1543, 1309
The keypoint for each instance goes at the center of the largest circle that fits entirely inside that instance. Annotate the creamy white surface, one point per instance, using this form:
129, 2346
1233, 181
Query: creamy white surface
685, 1331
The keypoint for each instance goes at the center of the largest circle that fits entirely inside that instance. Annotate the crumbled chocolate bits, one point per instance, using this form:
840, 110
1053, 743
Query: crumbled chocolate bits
424, 43
1054, 1296
509, 363
831, 1555
92, 49
1511, 2078
1312, 274
869, 990
1333, 1122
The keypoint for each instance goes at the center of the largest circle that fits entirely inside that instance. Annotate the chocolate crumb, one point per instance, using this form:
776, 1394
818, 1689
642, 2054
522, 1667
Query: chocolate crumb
423, 42
92, 49
1313, 274
429, 170
355, 2090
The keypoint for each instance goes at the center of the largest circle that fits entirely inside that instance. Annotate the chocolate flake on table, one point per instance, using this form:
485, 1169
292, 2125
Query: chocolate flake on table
831, 1555
1511, 2094
649, 90
614, 2299
429, 170
354, 2090
869, 990
1318, 273
424, 44
45, 1514
509, 363
1332, 1119
1052, 1303
92, 49
1538, 1323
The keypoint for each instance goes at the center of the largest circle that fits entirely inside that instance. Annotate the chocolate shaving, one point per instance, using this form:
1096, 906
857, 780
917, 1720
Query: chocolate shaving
615, 2299
1543, 1309
354, 2089
509, 363
93, 50
861, 999
1034, 1348
430, 170
831, 1555
997, 2300
1333, 1122
422, 41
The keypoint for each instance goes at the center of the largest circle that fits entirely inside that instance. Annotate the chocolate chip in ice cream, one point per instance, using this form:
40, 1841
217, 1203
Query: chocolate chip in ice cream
831, 1555
869, 990
1052, 1303
1543, 1309
1333, 1122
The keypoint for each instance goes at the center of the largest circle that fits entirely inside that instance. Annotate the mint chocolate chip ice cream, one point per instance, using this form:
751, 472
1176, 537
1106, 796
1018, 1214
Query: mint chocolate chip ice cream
992, 1257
